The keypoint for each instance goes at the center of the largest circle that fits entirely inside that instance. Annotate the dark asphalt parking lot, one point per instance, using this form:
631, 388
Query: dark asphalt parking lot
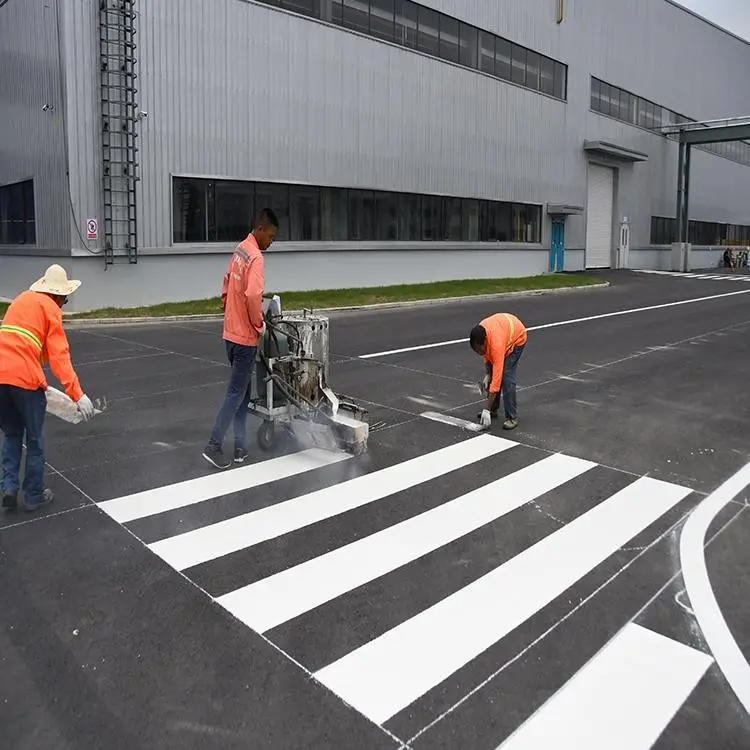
446, 602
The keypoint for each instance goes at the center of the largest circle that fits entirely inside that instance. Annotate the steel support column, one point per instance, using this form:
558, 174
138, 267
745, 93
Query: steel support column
683, 192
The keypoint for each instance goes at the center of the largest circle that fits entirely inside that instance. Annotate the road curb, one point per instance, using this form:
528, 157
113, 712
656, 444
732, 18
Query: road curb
71, 322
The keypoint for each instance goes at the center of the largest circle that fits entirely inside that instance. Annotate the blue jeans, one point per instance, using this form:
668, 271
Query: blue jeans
234, 409
508, 387
22, 413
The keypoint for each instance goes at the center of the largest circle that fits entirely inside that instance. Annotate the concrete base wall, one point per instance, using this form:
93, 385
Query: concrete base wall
169, 278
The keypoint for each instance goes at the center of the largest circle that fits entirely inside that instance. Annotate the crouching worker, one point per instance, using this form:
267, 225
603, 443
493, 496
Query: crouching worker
500, 339
31, 335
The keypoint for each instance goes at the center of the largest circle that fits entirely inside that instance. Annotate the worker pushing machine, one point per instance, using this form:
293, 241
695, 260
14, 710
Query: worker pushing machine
32, 334
500, 339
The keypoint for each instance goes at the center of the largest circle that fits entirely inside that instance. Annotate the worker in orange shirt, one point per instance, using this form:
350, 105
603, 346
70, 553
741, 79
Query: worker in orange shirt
31, 335
242, 301
500, 339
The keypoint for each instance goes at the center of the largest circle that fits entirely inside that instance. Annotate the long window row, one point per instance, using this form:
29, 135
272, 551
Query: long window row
17, 214
414, 26
664, 232
221, 210
635, 110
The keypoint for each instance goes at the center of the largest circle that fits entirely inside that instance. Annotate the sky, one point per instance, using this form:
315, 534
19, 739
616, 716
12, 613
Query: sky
733, 15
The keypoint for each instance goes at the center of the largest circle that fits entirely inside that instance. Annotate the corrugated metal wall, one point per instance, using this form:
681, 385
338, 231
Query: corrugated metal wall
31, 140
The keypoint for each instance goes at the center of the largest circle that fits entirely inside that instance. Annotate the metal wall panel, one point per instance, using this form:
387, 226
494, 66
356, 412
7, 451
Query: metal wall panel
32, 140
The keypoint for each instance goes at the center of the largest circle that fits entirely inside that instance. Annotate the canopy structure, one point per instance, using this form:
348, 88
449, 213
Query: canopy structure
692, 134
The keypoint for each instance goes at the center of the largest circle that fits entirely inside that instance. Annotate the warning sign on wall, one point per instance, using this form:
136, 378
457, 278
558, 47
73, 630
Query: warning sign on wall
92, 229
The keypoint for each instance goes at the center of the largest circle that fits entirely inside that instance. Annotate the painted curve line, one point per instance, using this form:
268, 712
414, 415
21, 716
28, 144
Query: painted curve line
724, 647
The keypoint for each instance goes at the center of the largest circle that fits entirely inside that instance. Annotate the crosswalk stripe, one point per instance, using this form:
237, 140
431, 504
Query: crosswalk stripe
390, 672
622, 699
192, 491
219, 539
278, 598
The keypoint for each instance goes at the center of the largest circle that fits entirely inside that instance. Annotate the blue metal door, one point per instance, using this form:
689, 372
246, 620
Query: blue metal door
557, 248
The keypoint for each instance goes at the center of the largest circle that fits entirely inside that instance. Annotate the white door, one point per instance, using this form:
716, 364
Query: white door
599, 217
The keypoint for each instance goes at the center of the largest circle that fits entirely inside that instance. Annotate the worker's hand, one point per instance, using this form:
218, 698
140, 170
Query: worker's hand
85, 407
263, 329
486, 419
486, 384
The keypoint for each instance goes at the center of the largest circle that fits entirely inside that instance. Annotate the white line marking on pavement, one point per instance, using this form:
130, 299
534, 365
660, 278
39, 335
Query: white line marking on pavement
559, 323
267, 603
622, 699
192, 491
390, 672
454, 421
727, 653
222, 538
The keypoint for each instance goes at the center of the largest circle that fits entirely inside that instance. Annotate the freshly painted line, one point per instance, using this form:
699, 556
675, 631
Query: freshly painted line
219, 539
454, 421
281, 597
192, 491
390, 672
727, 653
622, 699
559, 323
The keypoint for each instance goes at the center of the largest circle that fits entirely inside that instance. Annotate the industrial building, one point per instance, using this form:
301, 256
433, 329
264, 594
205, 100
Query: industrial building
398, 141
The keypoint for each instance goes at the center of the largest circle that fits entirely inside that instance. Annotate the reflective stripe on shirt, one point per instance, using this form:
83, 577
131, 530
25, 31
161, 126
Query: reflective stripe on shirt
512, 330
21, 332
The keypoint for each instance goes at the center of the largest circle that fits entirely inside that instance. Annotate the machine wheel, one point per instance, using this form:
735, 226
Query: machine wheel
265, 436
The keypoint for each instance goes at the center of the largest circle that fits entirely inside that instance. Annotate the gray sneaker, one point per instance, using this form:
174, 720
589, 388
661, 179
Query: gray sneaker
216, 457
40, 502
10, 501
240, 455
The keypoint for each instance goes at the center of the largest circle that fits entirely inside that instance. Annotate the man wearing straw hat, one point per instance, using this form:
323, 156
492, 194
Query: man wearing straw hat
32, 334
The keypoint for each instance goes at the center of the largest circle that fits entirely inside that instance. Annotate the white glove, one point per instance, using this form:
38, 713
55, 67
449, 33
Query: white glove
486, 384
85, 407
486, 419
263, 329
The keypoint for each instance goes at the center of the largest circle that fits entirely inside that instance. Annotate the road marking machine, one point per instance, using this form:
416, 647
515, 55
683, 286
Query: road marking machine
291, 388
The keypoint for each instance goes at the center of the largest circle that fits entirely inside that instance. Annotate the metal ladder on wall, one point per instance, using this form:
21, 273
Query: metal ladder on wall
117, 53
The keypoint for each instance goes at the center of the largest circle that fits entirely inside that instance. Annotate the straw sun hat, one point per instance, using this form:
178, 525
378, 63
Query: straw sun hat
55, 281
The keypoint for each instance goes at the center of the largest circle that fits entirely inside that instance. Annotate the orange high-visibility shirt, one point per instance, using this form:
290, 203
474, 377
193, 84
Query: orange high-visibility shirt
32, 334
242, 294
504, 333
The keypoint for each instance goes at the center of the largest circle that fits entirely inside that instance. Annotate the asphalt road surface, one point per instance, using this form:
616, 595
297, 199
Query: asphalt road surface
447, 589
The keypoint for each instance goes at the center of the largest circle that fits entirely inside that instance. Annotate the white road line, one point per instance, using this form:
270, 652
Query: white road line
727, 653
219, 539
192, 491
559, 323
281, 597
454, 421
390, 672
622, 699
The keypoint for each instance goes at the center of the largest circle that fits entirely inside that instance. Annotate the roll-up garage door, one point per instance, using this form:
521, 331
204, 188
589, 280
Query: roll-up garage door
599, 217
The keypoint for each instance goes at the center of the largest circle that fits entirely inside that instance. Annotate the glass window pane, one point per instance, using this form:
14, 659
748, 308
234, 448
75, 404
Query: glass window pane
334, 225
518, 61
448, 38
469, 41
406, 23
361, 215
276, 197
306, 7
356, 15
502, 59
427, 36
532, 71
548, 76
304, 213
561, 81
189, 212
487, 52
233, 211
382, 14
596, 94
470, 220
526, 224
409, 217
431, 217
386, 216
452, 219
495, 222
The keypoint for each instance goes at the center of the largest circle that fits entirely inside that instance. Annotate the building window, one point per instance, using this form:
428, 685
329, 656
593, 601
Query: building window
437, 34
635, 110
222, 211
17, 214
664, 232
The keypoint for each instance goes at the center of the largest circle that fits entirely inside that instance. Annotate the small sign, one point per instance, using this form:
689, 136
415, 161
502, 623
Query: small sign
92, 229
